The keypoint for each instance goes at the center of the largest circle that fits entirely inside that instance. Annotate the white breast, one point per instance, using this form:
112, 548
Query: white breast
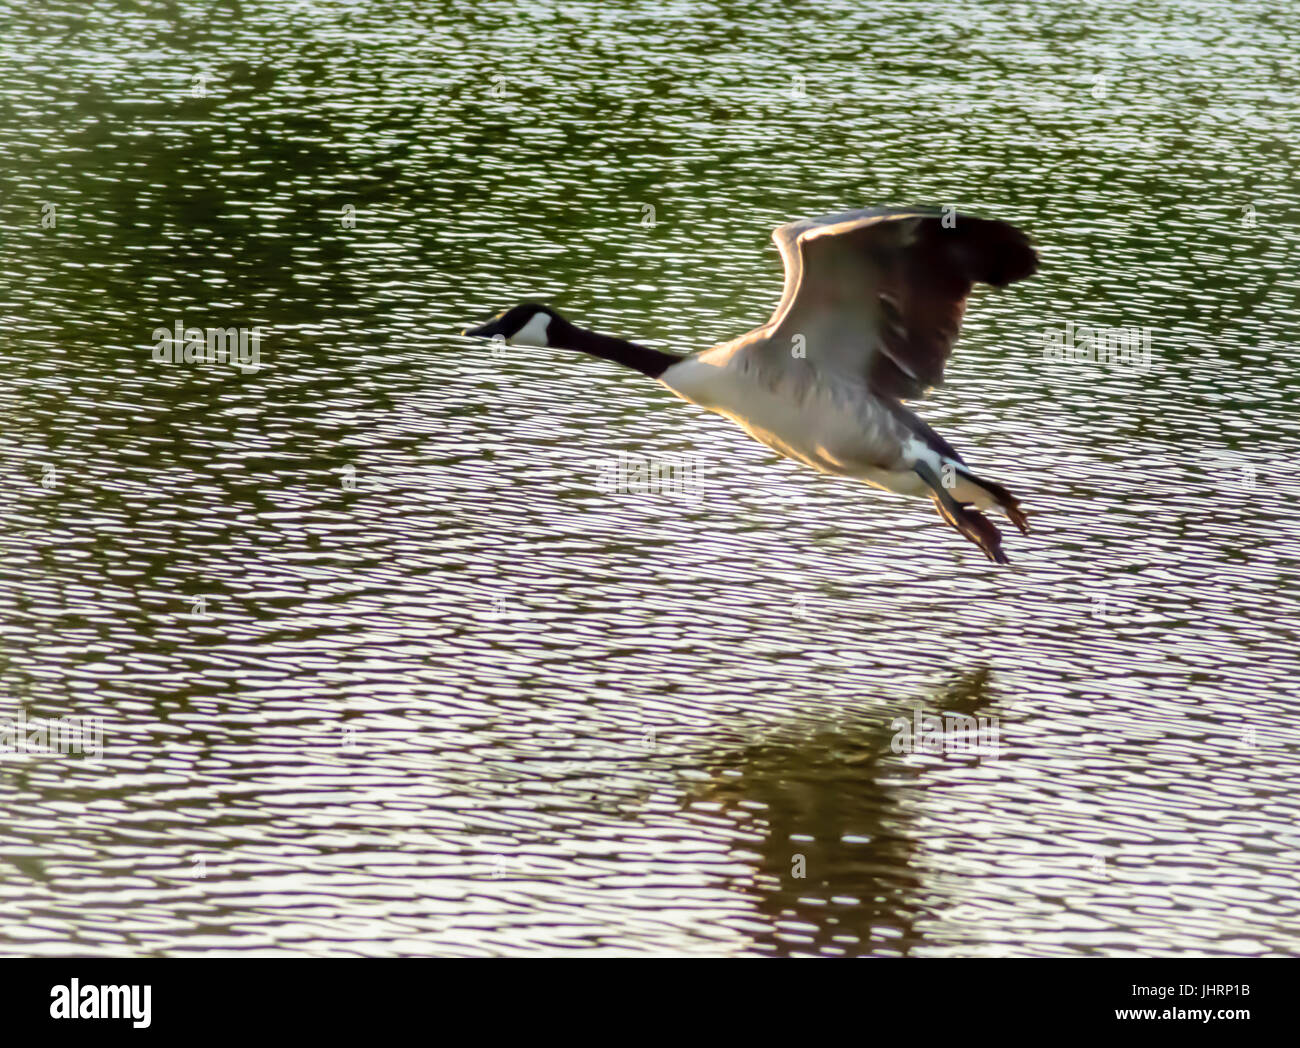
832, 428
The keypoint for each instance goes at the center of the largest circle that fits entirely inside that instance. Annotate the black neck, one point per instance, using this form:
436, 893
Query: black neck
652, 362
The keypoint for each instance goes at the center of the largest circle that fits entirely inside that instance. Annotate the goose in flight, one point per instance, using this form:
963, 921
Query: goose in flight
872, 304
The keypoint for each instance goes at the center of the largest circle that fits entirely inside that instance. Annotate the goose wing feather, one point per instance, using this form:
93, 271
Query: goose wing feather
878, 294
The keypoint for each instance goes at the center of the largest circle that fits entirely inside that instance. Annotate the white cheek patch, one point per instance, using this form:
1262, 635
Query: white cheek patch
533, 333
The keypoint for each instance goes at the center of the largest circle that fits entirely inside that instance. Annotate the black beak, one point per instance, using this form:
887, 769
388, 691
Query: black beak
484, 330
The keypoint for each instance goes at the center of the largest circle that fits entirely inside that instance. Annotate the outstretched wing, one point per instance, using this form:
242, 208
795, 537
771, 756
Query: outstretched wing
879, 293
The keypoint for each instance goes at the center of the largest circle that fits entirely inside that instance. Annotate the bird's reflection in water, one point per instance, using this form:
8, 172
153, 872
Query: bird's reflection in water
833, 862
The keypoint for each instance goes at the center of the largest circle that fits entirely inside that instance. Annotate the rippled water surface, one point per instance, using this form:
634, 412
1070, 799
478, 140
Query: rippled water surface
380, 667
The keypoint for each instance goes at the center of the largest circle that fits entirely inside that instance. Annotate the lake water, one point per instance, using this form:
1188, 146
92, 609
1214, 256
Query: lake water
383, 668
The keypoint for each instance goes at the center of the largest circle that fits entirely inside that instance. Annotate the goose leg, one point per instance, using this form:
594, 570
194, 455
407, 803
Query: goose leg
1009, 503
969, 521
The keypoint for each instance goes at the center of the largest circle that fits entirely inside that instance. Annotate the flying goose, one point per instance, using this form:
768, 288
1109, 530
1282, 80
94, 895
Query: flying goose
872, 304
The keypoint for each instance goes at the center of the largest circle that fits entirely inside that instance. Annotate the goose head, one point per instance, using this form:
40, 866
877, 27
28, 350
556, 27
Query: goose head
528, 324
